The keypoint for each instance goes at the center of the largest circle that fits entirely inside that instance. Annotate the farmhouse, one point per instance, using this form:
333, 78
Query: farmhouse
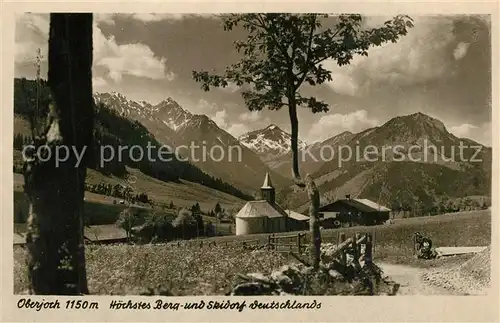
297, 221
349, 212
104, 234
96, 234
264, 216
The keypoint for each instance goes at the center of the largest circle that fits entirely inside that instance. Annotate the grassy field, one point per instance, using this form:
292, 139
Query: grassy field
129, 269
183, 194
100, 209
394, 242
122, 269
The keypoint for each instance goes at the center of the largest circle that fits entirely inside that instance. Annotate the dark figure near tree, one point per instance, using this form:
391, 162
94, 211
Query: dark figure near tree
423, 246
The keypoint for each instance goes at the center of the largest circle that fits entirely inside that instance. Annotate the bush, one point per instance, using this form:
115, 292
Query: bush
185, 225
127, 220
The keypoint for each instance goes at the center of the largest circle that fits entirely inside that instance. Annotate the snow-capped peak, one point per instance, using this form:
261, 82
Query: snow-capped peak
269, 142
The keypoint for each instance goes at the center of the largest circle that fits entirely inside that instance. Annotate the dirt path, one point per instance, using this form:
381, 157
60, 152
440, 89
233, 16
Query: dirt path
410, 280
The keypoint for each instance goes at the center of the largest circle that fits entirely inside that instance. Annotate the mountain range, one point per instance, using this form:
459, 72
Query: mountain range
409, 160
386, 179
175, 126
420, 176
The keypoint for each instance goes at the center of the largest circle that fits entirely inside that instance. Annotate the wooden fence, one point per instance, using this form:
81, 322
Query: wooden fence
287, 243
278, 243
359, 246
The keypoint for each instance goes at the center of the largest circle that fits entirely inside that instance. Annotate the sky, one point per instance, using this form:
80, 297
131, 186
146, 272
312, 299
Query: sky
442, 68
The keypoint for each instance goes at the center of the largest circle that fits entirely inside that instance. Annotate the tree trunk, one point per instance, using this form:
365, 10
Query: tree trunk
308, 184
56, 260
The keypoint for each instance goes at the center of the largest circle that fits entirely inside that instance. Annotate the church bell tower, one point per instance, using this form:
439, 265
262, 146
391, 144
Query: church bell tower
267, 190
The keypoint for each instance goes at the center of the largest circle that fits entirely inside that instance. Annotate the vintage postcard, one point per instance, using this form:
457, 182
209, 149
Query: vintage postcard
250, 161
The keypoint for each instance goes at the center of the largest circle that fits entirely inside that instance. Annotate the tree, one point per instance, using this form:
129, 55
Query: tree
56, 254
186, 223
284, 51
127, 220
217, 208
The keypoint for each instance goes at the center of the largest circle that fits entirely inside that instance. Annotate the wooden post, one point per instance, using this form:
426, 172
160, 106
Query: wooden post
373, 242
369, 250
298, 243
343, 259
269, 242
358, 246
355, 246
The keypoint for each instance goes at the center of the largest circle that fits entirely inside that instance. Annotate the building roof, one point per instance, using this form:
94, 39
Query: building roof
267, 182
104, 232
19, 238
375, 206
363, 205
258, 209
297, 216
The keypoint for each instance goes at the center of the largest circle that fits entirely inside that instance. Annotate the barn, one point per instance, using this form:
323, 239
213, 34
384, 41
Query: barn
262, 216
297, 221
350, 212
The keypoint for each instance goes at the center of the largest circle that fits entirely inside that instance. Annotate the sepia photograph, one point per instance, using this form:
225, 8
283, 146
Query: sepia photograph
252, 154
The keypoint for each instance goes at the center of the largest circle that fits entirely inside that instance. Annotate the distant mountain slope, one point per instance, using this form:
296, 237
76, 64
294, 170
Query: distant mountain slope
398, 164
269, 143
174, 126
311, 157
115, 130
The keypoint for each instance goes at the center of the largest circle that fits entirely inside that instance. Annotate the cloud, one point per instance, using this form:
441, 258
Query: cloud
461, 50
104, 18
332, 124
98, 82
423, 54
462, 130
343, 84
481, 133
115, 60
213, 111
126, 59
205, 107
246, 122
231, 88
237, 124
154, 17
220, 118
149, 17
170, 76
251, 116
31, 33
237, 129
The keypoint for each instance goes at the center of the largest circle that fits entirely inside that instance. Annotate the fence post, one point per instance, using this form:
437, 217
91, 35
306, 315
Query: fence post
373, 241
368, 249
358, 246
355, 246
343, 259
299, 247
